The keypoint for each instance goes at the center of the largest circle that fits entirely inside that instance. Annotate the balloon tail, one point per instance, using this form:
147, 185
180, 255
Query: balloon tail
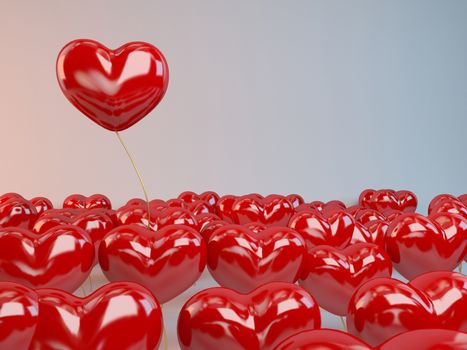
91, 287
166, 341
145, 192
343, 323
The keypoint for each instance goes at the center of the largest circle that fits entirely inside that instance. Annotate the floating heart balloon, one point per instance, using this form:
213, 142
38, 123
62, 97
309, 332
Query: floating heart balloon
326, 208
331, 339
15, 211
419, 244
78, 201
384, 307
243, 260
446, 203
209, 197
334, 228
448, 292
220, 318
116, 316
427, 339
18, 315
114, 88
322, 339
60, 258
332, 275
372, 232
295, 199
167, 262
224, 207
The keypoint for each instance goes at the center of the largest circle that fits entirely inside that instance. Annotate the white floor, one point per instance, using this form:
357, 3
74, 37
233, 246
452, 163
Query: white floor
172, 308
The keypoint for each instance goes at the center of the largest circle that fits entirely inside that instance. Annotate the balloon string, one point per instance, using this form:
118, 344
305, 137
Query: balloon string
166, 341
137, 174
460, 267
343, 324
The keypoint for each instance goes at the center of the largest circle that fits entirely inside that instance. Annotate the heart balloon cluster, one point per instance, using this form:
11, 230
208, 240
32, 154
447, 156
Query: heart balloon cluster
257, 249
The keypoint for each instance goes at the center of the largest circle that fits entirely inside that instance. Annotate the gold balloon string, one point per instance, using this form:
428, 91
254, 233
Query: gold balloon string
137, 174
460, 267
166, 341
91, 287
343, 323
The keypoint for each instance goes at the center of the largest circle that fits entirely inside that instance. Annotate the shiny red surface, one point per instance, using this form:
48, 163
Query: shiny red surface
114, 88
419, 244
224, 207
18, 315
243, 260
384, 307
324, 208
335, 229
95, 201
271, 210
448, 292
209, 197
387, 199
41, 204
96, 222
332, 275
16, 211
220, 318
452, 206
167, 262
295, 199
60, 258
371, 232
161, 214
427, 339
117, 316
322, 339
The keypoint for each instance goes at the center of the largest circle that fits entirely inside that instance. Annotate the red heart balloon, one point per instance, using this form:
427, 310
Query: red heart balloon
95, 201
332, 275
448, 292
41, 204
224, 207
96, 222
167, 262
372, 232
447, 204
335, 228
271, 210
161, 214
116, 316
60, 258
427, 339
114, 88
418, 244
322, 339
18, 315
387, 199
242, 260
331, 339
384, 307
324, 208
15, 211
220, 318
209, 197
295, 199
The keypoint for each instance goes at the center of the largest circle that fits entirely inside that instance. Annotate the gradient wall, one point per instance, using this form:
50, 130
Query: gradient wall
322, 98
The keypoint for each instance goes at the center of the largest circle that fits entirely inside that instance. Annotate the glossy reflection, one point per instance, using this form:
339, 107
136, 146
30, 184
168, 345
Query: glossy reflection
96, 222
419, 244
448, 292
387, 199
60, 258
117, 316
167, 261
332, 275
114, 88
272, 210
18, 315
384, 307
220, 318
16, 211
95, 201
427, 339
333, 228
322, 339
241, 259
